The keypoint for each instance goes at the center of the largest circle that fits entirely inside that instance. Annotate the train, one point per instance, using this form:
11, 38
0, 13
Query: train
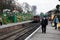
36, 19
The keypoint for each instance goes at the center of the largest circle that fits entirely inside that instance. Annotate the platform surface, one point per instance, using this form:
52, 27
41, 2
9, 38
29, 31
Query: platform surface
51, 34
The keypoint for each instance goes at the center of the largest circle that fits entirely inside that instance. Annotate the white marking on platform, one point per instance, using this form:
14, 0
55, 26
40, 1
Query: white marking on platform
33, 33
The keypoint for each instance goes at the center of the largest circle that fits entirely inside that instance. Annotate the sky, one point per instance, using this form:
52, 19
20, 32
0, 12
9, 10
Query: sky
42, 5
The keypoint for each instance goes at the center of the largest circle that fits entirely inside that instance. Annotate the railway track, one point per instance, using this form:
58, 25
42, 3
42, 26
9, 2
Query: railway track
22, 33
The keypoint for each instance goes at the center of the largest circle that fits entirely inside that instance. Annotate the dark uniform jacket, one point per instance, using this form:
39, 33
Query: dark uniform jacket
44, 22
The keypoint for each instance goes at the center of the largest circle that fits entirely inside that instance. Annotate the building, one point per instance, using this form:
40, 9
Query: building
34, 10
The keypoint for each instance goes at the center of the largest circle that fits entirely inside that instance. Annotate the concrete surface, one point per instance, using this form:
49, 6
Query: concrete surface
51, 34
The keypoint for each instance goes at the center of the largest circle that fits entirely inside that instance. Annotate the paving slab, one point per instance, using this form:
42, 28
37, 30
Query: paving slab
51, 34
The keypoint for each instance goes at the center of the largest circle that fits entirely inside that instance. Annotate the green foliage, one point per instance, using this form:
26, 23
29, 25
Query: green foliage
5, 20
19, 17
24, 17
1, 6
41, 15
46, 15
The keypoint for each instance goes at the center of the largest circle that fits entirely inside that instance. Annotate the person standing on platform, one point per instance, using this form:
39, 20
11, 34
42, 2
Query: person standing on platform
44, 23
56, 22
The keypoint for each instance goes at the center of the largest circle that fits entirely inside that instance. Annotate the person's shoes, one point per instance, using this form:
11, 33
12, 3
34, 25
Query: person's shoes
43, 32
55, 28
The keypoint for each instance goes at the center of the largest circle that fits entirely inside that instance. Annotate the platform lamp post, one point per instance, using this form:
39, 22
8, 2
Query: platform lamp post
58, 11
